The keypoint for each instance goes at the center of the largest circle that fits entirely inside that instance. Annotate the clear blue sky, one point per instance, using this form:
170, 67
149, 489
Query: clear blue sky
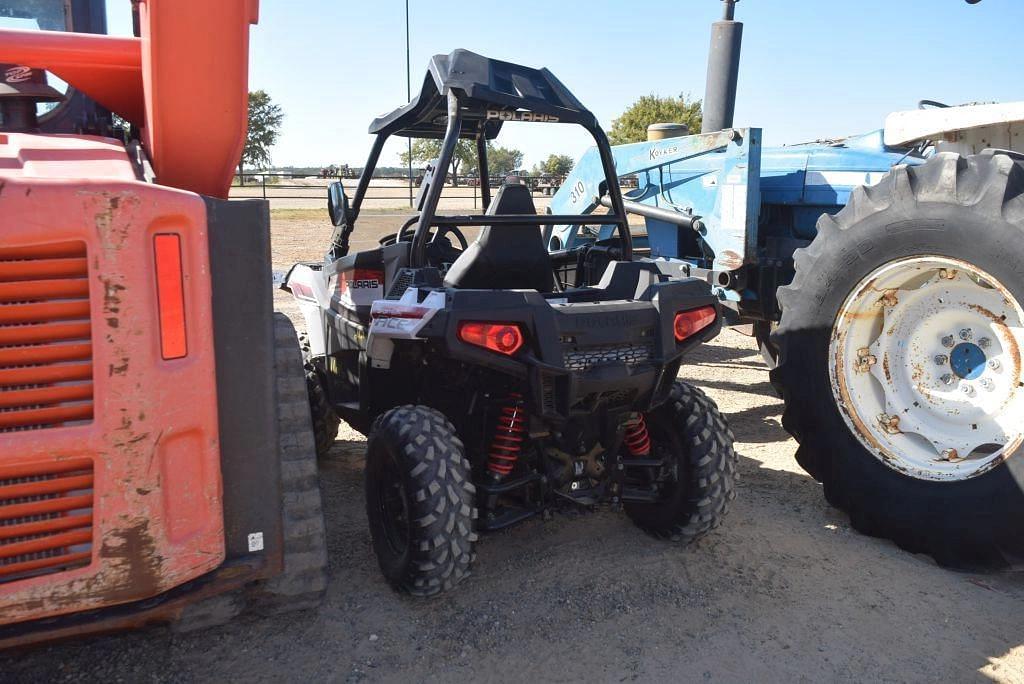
810, 68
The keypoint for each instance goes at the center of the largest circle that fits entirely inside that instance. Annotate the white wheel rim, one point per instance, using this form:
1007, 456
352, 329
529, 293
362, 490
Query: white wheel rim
925, 365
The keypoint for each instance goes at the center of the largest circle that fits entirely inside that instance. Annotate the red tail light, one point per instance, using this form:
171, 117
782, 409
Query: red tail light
170, 290
504, 338
689, 323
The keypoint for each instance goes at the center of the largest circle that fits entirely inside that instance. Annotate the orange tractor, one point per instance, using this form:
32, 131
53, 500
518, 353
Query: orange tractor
156, 454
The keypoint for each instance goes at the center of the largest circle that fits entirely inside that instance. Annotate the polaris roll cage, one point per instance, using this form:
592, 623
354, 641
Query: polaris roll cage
468, 96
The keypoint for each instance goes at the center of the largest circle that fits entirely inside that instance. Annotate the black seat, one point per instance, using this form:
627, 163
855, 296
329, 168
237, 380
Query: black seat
505, 257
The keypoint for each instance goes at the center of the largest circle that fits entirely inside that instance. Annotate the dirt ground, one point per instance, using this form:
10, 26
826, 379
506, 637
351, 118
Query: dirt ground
783, 591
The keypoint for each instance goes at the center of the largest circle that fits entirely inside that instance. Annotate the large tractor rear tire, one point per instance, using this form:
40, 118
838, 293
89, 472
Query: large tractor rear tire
900, 359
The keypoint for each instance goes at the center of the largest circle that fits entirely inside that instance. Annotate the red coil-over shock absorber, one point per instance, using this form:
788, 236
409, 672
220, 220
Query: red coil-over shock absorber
638, 439
508, 436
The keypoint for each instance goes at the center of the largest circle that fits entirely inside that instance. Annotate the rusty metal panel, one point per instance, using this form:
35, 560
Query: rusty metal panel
152, 441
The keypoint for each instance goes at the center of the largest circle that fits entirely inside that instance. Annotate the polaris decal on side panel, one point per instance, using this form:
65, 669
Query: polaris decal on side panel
361, 286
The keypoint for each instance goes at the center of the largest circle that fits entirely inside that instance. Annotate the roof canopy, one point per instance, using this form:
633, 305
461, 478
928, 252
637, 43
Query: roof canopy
491, 92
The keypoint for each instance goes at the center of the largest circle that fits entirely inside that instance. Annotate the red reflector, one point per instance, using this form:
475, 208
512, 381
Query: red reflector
170, 291
688, 323
504, 338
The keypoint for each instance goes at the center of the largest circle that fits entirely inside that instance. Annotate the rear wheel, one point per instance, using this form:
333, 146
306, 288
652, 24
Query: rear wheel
900, 358
690, 434
419, 501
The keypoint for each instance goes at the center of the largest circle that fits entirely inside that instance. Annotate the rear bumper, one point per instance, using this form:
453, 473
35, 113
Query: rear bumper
620, 354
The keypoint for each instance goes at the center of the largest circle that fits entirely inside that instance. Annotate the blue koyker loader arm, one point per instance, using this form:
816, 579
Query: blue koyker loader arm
729, 209
712, 177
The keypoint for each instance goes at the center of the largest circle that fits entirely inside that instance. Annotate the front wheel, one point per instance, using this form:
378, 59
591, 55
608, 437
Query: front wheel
900, 363
690, 435
325, 421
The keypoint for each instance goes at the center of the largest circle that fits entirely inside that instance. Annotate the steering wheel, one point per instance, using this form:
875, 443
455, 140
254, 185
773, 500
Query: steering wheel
439, 249
403, 233
443, 232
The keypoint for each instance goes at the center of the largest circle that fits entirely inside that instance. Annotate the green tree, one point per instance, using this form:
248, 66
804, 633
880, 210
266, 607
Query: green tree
501, 161
425, 151
632, 125
557, 165
265, 119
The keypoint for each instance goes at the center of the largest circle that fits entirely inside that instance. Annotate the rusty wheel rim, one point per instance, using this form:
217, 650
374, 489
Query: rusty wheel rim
925, 367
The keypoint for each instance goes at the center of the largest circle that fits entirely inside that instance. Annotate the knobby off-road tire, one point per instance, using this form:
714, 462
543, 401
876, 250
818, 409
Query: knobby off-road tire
952, 209
690, 429
325, 421
302, 583
420, 501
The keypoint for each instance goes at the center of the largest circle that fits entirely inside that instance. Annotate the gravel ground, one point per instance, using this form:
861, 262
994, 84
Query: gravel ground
783, 591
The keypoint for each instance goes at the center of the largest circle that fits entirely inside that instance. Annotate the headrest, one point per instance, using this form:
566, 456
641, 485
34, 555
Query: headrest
512, 199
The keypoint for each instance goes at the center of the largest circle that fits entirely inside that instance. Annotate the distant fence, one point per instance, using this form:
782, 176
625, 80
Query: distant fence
395, 191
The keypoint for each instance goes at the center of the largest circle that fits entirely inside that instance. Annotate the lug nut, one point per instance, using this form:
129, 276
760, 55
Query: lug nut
994, 364
865, 363
987, 384
967, 389
965, 334
865, 360
941, 359
984, 343
947, 341
890, 424
948, 379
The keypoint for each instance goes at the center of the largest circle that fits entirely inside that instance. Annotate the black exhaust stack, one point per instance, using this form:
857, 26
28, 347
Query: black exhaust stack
723, 71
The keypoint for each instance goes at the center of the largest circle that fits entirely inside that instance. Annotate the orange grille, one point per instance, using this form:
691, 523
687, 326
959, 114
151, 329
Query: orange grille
45, 518
45, 339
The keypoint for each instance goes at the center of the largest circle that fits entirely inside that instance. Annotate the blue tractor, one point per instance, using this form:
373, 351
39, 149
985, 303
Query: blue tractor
883, 277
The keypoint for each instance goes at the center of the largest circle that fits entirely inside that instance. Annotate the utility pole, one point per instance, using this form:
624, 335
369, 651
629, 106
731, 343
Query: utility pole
408, 92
